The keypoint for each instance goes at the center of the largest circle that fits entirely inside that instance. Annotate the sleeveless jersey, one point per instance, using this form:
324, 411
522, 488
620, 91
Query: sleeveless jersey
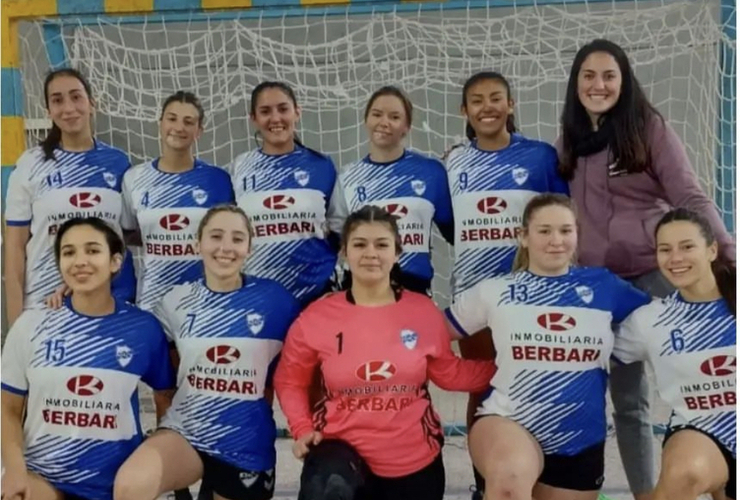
287, 196
553, 339
80, 375
376, 364
43, 194
489, 192
167, 209
413, 188
691, 347
228, 345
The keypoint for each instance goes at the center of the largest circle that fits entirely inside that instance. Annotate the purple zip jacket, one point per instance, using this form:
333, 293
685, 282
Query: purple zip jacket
618, 212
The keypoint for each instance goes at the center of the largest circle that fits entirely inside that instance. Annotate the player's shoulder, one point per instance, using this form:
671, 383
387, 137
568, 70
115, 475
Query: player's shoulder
137, 170
209, 168
107, 149
30, 157
267, 286
246, 159
458, 152
178, 292
531, 144
132, 313
316, 157
29, 320
429, 163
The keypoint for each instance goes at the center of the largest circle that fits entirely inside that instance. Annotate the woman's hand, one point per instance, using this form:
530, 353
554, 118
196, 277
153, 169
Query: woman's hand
55, 300
302, 445
16, 485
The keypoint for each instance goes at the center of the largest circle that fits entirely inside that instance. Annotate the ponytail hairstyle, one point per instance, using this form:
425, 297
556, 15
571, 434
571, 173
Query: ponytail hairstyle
282, 86
725, 273
367, 215
480, 77
521, 258
186, 98
114, 240
54, 137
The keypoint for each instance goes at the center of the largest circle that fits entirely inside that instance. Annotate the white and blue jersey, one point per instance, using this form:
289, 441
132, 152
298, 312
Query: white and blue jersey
80, 376
414, 189
691, 348
489, 192
167, 209
553, 338
287, 197
228, 345
43, 194
124, 283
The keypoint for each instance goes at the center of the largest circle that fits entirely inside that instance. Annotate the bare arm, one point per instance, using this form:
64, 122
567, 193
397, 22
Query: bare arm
16, 238
12, 432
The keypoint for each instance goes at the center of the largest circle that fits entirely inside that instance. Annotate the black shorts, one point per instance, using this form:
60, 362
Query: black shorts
583, 471
234, 483
731, 486
333, 469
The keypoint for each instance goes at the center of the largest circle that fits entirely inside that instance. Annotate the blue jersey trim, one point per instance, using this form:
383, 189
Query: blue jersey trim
453, 321
13, 390
18, 223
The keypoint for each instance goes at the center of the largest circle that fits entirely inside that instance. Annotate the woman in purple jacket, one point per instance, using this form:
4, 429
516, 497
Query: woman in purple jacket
626, 167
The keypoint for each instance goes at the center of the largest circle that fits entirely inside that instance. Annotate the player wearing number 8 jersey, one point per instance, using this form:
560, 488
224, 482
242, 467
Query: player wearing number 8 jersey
689, 338
286, 189
70, 408
542, 425
227, 329
407, 184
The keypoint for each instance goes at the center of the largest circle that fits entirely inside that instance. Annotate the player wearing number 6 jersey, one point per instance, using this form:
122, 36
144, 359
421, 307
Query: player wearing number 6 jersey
286, 189
540, 429
70, 408
375, 434
407, 184
227, 329
689, 338
164, 200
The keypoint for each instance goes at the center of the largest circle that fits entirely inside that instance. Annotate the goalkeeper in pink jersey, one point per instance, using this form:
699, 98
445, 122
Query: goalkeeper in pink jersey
374, 435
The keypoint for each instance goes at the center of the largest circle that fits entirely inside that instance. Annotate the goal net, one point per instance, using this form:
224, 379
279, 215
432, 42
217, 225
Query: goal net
335, 57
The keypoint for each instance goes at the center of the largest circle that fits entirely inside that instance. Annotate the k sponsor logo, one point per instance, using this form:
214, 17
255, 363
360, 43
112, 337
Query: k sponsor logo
174, 222
223, 354
556, 322
492, 205
719, 366
397, 210
84, 200
375, 371
85, 385
278, 202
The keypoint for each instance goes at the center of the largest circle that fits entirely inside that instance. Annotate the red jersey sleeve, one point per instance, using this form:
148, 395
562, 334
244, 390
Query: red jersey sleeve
293, 378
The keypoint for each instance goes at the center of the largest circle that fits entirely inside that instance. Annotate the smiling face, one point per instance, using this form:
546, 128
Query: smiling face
69, 105
386, 122
276, 116
224, 245
684, 256
371, 253
180, 126
487, 107
85, 260
551, 240
599, 84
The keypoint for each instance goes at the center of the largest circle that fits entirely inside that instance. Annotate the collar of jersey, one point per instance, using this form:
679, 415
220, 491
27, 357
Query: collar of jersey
245, 282
513, 139
68, 305
96, 145
397, 292
296, 149
155, 164
566, 275
384, 163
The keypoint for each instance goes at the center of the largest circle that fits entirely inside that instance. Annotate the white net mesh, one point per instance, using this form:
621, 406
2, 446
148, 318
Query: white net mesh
335, 58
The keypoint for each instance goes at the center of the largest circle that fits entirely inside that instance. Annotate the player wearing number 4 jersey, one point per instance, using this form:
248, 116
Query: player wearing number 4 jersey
375, 434
228, 330
70, 408
286, 189
408, 185
689, 338
540, 429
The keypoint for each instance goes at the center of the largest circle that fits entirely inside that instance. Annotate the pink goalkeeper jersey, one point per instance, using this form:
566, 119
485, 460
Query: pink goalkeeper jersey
376, 363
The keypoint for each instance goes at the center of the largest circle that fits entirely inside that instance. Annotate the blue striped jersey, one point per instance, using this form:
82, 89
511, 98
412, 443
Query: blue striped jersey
413, 188
228, 344
691, 347
286, 197
489, 192
167, 208
553, 338
43, 194
80, 376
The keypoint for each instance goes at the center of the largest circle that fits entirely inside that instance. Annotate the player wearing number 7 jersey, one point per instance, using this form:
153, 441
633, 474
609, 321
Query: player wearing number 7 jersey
541, 428
689, 338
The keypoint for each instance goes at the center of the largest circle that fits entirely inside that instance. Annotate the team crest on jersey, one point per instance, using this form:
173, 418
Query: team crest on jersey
520, 175
409, 338
124, 355
255, 322
110, 179
585, 293
248, 478
418, 186
301, 177
200, 196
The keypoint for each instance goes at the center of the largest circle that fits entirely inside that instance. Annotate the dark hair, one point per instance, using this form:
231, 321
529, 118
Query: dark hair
114, 240
228, 208
52, 139
390, 90
725, 273
186, 98
367, 215
285, 88
627, 119
479, 77
521, 259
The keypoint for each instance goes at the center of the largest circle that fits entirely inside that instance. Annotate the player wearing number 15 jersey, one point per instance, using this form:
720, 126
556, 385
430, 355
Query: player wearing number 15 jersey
689, 338
70, 408
286, 189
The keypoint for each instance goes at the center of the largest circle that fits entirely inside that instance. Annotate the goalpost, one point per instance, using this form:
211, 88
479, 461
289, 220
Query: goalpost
336, 53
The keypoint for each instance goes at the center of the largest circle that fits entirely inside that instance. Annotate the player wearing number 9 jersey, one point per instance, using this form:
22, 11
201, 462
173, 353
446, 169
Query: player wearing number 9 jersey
689, 338
407, 184
70, 408
544, 419
228, 330
286, 189
165, 199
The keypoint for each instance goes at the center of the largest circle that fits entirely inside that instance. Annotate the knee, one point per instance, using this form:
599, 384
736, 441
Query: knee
134, 483
684, 479
333, 487
508, 482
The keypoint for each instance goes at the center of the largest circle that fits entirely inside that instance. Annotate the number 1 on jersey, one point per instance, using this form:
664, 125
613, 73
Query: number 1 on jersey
340, 342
